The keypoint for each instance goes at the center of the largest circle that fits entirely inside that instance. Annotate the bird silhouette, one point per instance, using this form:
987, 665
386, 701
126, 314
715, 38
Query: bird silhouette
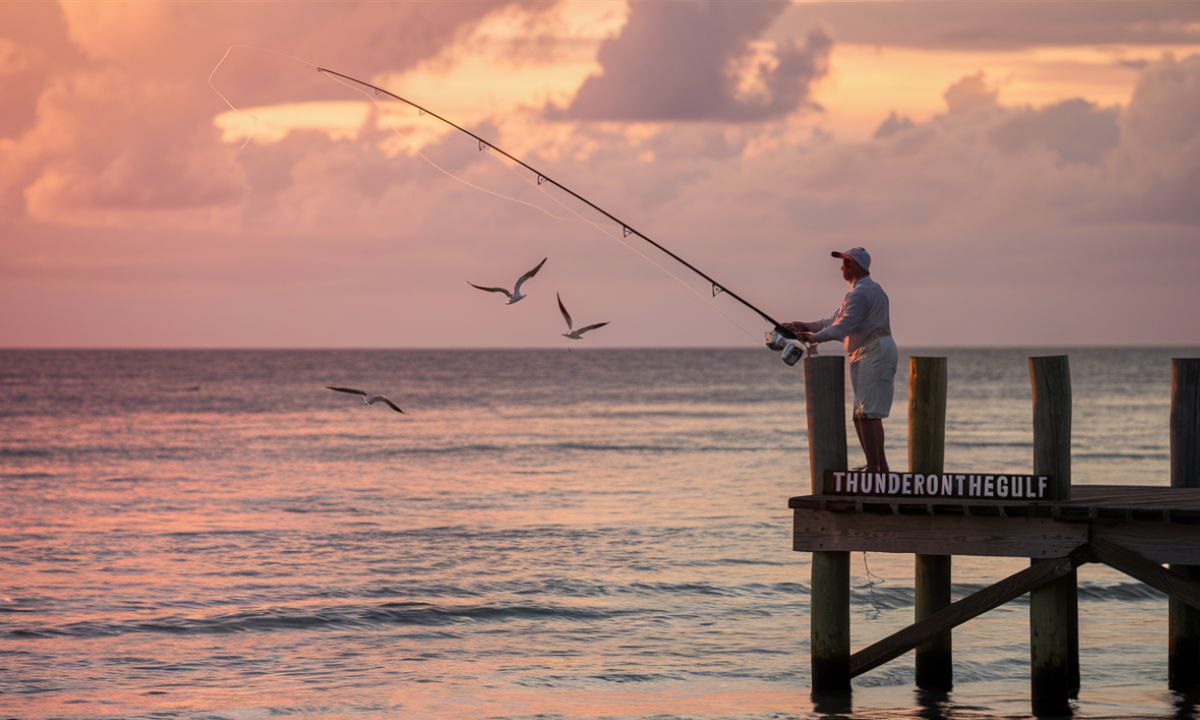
368, 399
571, 333
515, 296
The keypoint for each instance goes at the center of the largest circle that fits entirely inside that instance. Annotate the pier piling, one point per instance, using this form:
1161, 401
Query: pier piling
926, 454
825, 395
1053, 607
1183, 659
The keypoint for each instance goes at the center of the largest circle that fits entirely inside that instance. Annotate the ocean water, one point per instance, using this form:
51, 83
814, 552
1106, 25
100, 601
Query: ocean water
543, 534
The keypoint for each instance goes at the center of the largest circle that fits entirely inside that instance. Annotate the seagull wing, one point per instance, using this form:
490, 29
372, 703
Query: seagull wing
352, 391
562, 309
489, 289
389, 403
585, 328
521, 280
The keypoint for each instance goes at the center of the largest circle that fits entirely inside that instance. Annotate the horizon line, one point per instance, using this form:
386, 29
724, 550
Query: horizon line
527, 348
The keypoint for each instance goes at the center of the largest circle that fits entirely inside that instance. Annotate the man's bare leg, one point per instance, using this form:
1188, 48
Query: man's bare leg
858, 430
871, 436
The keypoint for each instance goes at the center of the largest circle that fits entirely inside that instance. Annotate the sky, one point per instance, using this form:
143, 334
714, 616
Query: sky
180, 175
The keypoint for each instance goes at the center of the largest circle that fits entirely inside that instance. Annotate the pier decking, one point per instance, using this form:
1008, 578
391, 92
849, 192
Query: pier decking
1160, 523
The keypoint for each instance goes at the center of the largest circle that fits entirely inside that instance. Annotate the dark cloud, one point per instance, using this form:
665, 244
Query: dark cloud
688, 61
970, 94
892, 125
1068, 165
999, 24
1165, 108
359, 39
1160, 144
1075, 130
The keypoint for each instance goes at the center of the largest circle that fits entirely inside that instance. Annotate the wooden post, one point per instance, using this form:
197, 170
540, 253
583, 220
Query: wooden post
825, 394
1183, 663
1053, 608
926, 454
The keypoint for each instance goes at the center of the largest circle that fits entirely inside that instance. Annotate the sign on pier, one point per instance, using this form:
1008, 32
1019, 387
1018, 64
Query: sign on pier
974, 485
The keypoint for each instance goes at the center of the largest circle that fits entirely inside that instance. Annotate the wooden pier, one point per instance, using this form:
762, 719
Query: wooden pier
1134, 529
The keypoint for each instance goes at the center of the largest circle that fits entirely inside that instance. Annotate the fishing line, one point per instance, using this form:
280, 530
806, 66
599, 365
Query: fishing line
233, 107
877, 607
621, 241
356, 86
626, 228
373, 95
373, 92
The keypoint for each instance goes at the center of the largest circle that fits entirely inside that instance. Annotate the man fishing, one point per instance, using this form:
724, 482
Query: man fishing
863, 323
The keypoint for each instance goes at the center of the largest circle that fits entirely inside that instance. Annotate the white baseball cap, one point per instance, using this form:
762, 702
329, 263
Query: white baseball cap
858, 255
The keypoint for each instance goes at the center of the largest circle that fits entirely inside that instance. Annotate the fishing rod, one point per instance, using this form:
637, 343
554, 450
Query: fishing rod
778, 340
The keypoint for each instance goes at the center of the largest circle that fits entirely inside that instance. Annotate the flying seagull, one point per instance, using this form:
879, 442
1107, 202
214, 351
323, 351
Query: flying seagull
574, 334
368, 399
515, 295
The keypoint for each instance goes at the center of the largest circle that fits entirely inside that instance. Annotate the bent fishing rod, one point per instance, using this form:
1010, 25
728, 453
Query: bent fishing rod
542, 177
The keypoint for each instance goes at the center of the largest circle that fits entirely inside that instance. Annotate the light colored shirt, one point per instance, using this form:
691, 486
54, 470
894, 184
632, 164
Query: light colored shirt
861, 318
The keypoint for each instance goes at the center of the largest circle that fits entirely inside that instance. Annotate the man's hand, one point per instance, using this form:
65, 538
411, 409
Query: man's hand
796, 327
806, 337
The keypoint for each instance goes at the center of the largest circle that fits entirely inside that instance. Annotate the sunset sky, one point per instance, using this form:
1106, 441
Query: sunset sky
1022, 173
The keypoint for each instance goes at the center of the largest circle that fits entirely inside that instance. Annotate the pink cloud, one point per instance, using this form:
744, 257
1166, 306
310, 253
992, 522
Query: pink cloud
1000, 24
1076, 130
676, 61
971, 93
110, 112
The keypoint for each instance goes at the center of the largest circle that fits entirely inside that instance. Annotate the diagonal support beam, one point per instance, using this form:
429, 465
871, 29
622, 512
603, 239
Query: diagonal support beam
991, 597
1156, 576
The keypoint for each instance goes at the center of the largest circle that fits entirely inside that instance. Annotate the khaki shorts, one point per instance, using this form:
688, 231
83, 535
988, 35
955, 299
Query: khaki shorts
872, 375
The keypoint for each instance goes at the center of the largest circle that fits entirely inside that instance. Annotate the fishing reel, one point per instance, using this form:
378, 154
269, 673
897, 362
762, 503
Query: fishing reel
785, 343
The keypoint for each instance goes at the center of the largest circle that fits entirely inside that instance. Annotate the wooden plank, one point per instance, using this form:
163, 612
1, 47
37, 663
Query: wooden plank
1157, 542
814, 530
814, 501
1107, 497
1174, 584
1141, 494
972, 606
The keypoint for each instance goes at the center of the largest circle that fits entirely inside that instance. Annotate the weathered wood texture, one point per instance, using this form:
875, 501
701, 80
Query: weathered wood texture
1185, 422
1117, 502
1033, 537
927, 414
830, 622
1053, 607
814, 530
1175, 584
1183, 662
972, 606
926, 454
825, 402
825, 396
1050, 378
1183, 638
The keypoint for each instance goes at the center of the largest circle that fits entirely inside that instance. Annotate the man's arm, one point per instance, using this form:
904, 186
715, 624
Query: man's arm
853, 313
809, 326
